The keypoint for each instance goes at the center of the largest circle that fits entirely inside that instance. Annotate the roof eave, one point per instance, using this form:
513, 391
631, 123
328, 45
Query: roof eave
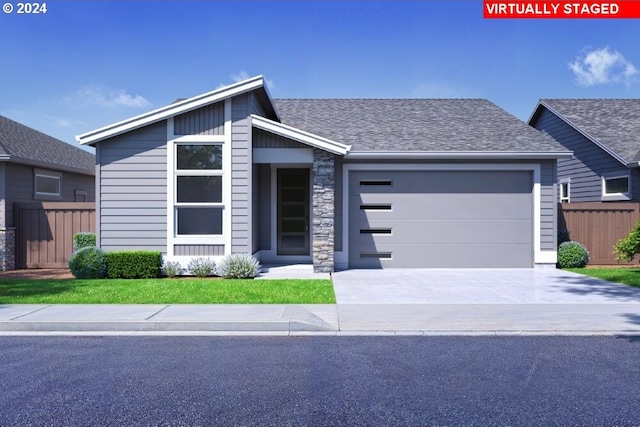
92, 137
45, 165
458, 155
299, 135
536, 113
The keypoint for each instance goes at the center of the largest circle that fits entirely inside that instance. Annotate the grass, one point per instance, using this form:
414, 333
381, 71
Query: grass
165, 291
627, 276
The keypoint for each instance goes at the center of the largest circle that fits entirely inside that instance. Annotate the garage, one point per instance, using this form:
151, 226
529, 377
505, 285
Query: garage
440, 219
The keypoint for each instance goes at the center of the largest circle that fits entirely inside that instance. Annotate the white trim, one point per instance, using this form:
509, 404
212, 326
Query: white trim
299, 135
539, 256
451, 155
198, 139
226, 180
565, 198
282, 155
171, 110
171, 224
45, 174
615, 196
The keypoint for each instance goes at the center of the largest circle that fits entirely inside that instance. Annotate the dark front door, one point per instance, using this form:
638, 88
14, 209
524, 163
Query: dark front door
293, 211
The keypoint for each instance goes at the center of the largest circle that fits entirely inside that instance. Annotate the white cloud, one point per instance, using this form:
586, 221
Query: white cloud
108, 97
239, 76
602, 66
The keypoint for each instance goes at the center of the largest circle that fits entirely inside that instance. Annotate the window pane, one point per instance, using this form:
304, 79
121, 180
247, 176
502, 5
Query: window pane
617, 185
47, 185
203, 189
199, 220
196, 157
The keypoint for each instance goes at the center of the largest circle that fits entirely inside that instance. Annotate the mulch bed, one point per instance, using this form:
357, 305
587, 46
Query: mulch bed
43, 273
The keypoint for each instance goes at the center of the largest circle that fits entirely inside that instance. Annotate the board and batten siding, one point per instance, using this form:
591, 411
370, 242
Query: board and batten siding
548, 206
240, 174
203, 121
589, 162
133, 190
20, 187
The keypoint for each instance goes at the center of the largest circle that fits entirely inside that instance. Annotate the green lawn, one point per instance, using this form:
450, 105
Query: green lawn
166, 291
628, 276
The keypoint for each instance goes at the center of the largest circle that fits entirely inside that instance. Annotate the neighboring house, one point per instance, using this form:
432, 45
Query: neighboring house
37, 167
604, 135
340, 183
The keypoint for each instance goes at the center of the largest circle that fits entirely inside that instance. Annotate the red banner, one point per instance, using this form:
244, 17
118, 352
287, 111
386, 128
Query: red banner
561, 9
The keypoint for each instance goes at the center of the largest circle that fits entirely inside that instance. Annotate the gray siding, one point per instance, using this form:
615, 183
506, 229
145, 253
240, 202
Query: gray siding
548, 206
264, 181
256, 106
589, 163
263, 139
198, 250
255, 206
337, 222
204, 121
240, 172
133, 196
2, 195
19, 187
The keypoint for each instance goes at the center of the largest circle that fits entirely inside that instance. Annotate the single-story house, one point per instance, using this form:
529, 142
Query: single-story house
604, 135
340, 183
35, 167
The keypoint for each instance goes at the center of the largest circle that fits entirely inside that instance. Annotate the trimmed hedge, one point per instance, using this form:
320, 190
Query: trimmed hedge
88, 263
83, 240
133, 264
572, 255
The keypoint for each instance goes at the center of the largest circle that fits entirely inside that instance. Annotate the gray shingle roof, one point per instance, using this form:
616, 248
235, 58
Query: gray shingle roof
26, 145
614, 123
436, 125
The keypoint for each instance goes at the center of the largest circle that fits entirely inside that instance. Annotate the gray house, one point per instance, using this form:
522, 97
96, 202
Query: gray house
604, 135
35, 167
340, 183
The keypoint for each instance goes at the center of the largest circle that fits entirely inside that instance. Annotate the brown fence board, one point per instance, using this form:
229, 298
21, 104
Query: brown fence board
598, 226
44, 232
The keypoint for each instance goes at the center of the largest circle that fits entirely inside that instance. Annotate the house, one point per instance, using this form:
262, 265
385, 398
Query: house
35, 167
604, 135
340, 183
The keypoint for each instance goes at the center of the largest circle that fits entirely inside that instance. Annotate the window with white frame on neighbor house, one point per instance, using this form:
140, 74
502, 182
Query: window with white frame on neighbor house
47, 184
565, 192
198, 189
616, 186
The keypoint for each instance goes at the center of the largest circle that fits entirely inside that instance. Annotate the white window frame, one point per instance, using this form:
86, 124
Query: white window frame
616, 196
210, 238
46, 174
565, 198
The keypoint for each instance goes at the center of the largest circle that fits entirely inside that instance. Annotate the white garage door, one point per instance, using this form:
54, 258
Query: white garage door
439, 219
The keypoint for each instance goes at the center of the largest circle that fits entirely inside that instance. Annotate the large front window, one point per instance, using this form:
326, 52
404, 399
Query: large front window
198, 200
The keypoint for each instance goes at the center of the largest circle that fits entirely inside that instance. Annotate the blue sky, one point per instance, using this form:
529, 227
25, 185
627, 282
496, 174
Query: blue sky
85, 64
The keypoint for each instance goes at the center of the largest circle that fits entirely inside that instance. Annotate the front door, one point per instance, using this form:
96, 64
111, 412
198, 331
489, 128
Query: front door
293, 212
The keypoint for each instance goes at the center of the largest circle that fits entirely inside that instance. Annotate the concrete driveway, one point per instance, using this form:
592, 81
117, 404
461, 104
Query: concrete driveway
477, 286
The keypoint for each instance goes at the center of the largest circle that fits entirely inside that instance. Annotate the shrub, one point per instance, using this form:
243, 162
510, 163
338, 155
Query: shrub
88, 263
83, 240
133, 264
238, 266
572, 255
201, 267
628, 247
171, 269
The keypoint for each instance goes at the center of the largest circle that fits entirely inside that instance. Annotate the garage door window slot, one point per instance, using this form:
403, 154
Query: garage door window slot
375, 231
376, 182
375, 207
376, 255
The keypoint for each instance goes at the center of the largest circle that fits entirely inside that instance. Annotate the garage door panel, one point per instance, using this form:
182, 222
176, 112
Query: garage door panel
445, 232
472, 206
440, 219
447, 256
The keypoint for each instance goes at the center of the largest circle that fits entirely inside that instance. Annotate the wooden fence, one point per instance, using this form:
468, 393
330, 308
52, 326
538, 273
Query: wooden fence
44, 232
598, 226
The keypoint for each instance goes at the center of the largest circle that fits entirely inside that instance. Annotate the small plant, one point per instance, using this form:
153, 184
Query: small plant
83, 240
238, 266
572, 255
88, 263
628, 247
201, 267
133, 264
171, 269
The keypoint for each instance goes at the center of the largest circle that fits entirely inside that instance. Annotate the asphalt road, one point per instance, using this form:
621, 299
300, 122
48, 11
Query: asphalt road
279, 381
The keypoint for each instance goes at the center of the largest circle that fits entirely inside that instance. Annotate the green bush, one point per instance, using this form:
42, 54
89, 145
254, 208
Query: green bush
88, 263
171, 269
133, 264
628, 247
572, 255
201, 267
83, 240
238, 266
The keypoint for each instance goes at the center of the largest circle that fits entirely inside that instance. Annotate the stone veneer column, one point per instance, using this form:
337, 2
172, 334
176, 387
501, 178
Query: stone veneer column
7, 249
323, 197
